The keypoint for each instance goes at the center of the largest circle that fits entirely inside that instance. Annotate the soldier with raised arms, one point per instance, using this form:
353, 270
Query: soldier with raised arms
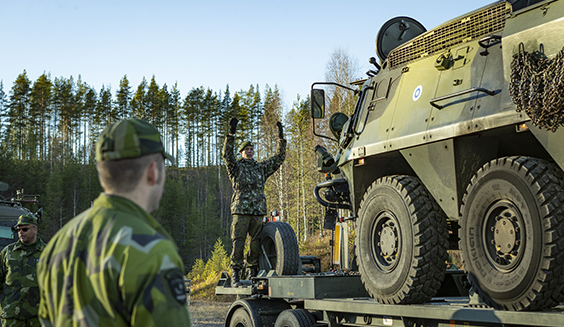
18, 278
114, 264
248, 205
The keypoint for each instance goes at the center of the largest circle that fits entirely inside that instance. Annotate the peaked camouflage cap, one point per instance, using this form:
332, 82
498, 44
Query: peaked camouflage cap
244, 145
129, 138
27, 219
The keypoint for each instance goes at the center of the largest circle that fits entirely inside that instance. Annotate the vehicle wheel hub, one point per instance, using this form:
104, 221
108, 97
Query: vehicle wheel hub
504, 235
387, 244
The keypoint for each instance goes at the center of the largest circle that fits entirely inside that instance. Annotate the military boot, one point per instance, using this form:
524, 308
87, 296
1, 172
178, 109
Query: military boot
254, 271
236, 278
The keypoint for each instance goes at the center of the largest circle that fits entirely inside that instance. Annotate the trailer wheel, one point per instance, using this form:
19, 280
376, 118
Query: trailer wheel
401, 241
511, 231
241, 318
295, 318
279, 249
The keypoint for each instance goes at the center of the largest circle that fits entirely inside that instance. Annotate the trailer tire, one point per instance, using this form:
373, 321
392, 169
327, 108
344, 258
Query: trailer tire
401, 242
295, 318
279, 249
511, 230
241, 318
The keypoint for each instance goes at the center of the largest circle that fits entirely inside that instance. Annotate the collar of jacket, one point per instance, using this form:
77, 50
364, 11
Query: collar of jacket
118, 203
39, 245
247, 161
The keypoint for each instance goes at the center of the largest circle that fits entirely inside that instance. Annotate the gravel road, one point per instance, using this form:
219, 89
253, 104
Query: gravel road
208, 314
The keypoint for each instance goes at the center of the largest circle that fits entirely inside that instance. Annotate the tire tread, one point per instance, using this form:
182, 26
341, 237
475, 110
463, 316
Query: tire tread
430, 231
547, 180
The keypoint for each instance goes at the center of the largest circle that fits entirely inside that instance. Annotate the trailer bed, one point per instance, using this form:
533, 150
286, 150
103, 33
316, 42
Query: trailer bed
341, 300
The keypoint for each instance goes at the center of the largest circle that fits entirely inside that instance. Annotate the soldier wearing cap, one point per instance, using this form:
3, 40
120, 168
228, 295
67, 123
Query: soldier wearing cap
114, 264
248, 205
18, 278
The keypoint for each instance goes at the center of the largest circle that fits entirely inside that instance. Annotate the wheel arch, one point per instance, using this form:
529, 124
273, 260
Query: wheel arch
375, 167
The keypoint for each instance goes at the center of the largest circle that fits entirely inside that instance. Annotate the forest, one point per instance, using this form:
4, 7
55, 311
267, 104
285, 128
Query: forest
49, 128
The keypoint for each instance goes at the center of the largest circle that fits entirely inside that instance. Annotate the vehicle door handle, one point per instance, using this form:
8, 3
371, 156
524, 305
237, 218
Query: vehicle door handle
449, 96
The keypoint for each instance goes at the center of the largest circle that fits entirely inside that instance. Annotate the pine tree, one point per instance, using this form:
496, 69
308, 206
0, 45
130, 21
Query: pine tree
164, 109
94, 121
40, 110
64, 106
105, 107
138, 102
173, 121
18, 115
155, 114
191, 112
123, 99
3, 110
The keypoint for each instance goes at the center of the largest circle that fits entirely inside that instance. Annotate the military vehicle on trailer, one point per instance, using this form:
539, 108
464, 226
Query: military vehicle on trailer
456, 142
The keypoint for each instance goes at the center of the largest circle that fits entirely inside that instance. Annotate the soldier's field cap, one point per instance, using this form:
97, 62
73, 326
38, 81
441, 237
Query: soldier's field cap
129, 138
27, 220
244, 145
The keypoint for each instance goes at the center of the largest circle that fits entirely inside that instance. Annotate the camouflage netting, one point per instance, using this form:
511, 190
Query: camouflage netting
537, 87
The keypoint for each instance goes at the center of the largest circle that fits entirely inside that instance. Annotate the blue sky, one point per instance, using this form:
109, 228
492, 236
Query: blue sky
199, 43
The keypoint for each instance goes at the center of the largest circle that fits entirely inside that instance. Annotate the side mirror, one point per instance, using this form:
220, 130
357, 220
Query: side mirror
317, 103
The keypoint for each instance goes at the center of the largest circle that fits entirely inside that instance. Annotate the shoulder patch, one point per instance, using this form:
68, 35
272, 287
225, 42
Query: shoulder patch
175, 282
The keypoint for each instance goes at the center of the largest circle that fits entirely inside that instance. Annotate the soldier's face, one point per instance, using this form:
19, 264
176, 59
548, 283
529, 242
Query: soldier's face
27, 233
248, 152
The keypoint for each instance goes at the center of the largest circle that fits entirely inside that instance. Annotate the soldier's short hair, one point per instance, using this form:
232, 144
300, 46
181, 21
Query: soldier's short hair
124, 175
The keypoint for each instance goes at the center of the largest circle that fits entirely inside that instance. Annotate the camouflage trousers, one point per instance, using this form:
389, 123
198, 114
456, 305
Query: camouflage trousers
33, 322
241, 226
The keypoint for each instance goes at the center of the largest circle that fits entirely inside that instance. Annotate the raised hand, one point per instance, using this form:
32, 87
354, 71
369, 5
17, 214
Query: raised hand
233, 125
280, 130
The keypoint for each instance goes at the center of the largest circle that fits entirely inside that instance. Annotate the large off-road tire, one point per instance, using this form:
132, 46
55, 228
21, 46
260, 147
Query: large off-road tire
511, 233
241, 318
401, 242
295, 318
279, 249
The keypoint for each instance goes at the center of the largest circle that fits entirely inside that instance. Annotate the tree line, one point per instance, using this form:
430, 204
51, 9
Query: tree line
49, 128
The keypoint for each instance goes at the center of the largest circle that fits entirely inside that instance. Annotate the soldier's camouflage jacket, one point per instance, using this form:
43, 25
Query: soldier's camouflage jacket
19, 288
248, 177
112, 265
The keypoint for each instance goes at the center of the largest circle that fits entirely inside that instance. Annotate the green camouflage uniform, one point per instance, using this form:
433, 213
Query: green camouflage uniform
114, 264
20, 291
248, 204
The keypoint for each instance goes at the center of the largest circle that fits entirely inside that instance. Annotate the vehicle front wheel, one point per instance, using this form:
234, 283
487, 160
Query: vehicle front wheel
401, 242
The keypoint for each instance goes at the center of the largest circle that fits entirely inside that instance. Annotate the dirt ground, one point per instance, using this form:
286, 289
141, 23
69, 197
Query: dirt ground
208, 314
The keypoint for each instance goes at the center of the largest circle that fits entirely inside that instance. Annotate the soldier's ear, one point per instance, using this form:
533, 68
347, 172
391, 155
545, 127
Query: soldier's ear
152, 173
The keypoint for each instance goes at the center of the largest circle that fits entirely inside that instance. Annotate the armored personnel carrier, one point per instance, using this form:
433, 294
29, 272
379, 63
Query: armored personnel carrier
456, 142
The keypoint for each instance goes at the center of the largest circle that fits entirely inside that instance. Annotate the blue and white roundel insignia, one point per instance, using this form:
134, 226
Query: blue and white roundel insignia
417, 92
